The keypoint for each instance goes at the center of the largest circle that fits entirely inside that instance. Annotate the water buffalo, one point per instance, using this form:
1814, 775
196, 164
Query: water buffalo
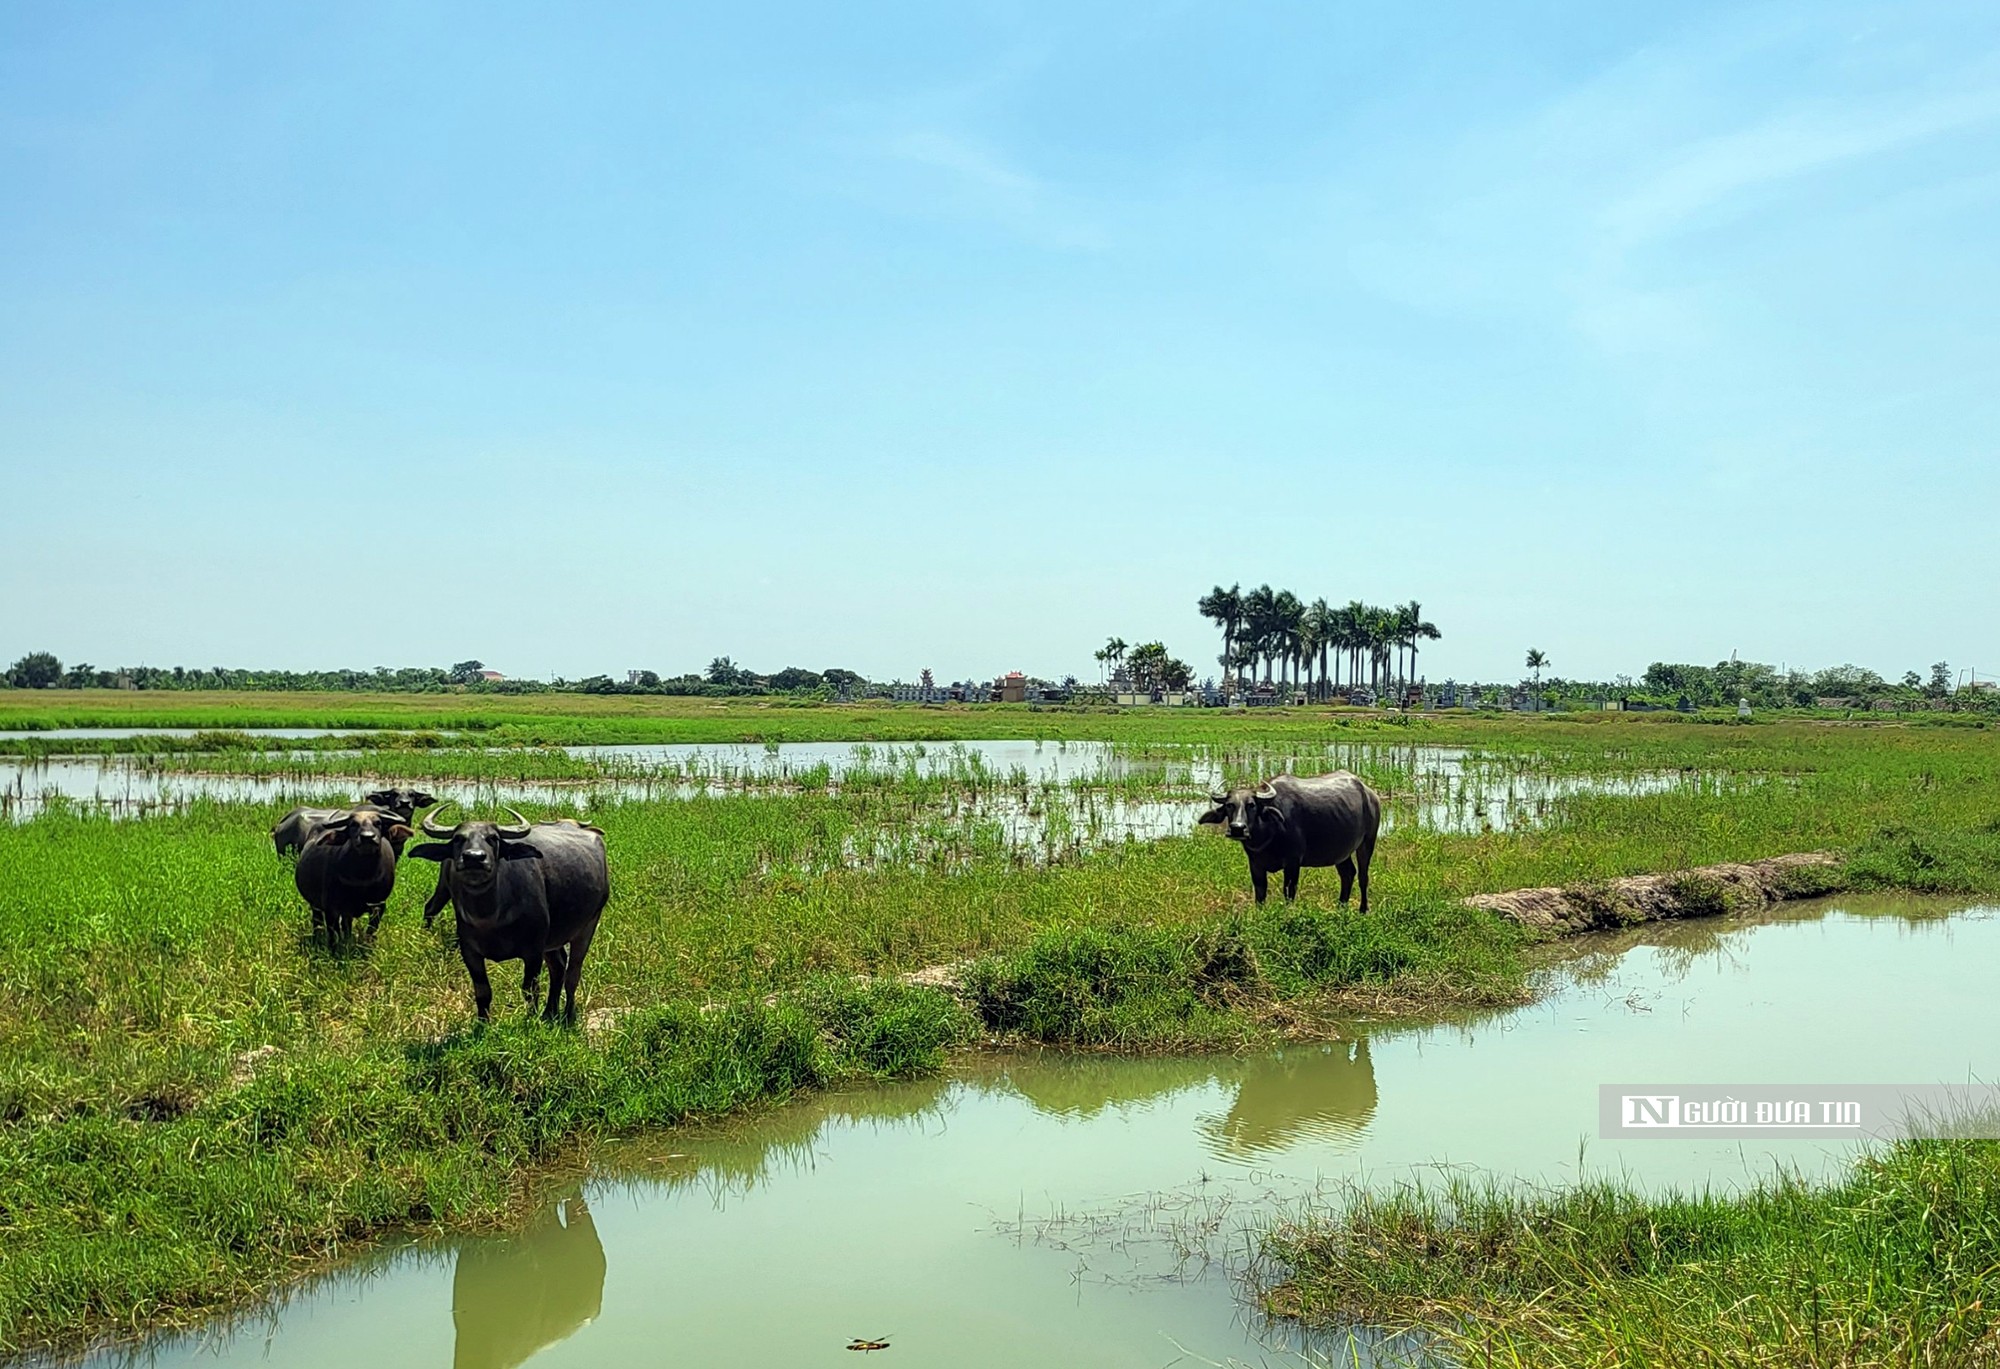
531, 893
348, 868
1288, 823
292, 830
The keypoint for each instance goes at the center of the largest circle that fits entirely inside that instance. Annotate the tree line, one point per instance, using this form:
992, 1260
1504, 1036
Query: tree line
44, 670
1150, 666
1312, 645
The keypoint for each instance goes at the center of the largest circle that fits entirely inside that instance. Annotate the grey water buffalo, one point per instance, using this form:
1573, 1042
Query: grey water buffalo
292, 830
348, 868
531, 893
1289, 823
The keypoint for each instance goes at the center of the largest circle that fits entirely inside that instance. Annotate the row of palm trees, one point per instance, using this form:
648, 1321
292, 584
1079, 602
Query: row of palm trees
1286, 635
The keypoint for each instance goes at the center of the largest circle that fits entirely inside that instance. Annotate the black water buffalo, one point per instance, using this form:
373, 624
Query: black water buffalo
292, 830
348, 868
1289, 823
521, 892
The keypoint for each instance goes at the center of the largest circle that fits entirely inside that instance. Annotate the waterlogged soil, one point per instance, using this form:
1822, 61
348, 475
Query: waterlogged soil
1044, 800
1091, 1210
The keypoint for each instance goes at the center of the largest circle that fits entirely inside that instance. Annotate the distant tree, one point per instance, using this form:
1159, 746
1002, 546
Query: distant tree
1912, 680
36, 670
793, 679
1940, 681
1112, 655
1224, 608
467, 672
1415, 630
1537, 659
648, 679
82, 675
723, 671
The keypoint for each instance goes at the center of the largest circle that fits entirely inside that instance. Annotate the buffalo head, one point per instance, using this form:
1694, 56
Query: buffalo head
403, 801
474, 850
1243, 813
359, 834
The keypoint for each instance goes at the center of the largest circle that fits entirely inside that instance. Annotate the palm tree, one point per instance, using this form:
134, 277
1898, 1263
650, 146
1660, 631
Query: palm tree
1259, 623
1537, 658
1224, 608
1320, 626
1418, 630
1381, 636
1287, 615
1112, 653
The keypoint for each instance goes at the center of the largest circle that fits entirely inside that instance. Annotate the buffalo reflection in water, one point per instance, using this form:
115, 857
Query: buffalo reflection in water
514, 1296
1318, 1093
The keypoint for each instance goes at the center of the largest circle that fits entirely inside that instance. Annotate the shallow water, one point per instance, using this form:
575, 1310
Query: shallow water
1093, 1210
1046, 799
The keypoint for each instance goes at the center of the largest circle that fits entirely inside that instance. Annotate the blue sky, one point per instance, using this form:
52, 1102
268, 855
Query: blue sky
893, 336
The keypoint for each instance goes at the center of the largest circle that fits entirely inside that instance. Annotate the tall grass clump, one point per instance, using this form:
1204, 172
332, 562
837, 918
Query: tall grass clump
1895, 1265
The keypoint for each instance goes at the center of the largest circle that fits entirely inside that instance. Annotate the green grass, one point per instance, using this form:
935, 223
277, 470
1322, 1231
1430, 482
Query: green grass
1899, 1264
751, 950
581, 719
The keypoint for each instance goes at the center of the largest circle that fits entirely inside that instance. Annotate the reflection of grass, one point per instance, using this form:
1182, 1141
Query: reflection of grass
1895, 1265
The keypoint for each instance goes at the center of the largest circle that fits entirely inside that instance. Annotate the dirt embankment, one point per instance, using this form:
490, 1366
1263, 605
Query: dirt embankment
1709, 891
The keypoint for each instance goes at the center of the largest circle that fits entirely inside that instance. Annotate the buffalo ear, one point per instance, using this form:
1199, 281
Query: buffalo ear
422, 799
381, 798
1217, 814
518, 850
437, 850
399, 833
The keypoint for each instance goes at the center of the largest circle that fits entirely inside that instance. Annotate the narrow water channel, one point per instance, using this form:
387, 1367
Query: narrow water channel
1047, 1209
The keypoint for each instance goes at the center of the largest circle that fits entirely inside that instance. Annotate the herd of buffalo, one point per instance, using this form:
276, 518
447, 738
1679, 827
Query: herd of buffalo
533, 892
523, 891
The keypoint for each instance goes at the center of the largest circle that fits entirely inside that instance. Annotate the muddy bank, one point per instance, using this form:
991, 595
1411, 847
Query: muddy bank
1707, 891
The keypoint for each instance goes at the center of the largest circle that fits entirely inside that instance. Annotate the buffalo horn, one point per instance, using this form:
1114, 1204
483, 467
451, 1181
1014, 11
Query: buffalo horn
520, 827
1266, 792
432, 829
1217, 796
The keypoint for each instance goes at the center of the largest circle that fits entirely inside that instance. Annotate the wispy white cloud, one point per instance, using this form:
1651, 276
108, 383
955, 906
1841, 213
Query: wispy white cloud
1707, 173
949, 174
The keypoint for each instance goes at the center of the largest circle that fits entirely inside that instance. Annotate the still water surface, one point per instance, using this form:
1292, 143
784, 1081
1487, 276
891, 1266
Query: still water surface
1015, 784
1063, 1210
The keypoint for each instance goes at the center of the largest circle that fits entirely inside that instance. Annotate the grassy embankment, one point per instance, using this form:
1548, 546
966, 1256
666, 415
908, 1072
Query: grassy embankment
1897, 1265
147, 1175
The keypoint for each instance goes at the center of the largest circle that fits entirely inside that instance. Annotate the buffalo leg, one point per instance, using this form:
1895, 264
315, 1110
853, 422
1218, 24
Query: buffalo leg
531, 979
579, 947
1346, 868
558, 963
1291, 882
482, 990
375, 911
1367, 855
439, 897
1261, 882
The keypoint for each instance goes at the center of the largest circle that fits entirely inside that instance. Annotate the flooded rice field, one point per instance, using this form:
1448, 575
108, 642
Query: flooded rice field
1042, 800
58, 734
1091, 1210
